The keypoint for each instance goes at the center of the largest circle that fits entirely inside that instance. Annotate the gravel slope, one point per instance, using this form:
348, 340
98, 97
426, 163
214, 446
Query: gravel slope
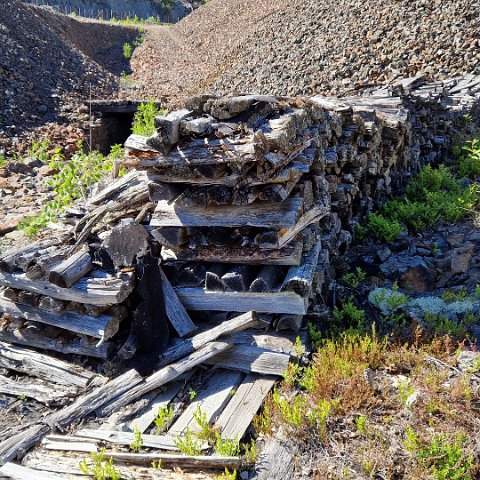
299, 47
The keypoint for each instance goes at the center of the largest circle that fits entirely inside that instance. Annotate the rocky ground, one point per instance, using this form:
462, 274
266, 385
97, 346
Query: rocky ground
306, 47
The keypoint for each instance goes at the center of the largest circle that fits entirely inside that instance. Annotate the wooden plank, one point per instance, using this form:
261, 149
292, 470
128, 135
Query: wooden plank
43, 366
102, 327
210, 400
31, 338
163, 376
69, 444
101, 289
176, 313
185, 347
17, 472
252, 359
312, 216
48, 394
258, 214
289, 255
181, 461
162, 442
203, 151
162, 400
238, 414
282, 302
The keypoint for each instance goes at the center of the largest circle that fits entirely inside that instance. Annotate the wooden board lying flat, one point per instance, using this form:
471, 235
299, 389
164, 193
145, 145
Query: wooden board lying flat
202, 151
289, 255
252, 359
210, 400
103, 326
17, 472
100, 290
238, 414
282, 302
147, 416
48, 368
31, 338
262, 215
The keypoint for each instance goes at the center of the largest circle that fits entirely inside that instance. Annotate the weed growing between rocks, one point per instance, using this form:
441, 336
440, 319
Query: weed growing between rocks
143, 122
71, 182
447, 194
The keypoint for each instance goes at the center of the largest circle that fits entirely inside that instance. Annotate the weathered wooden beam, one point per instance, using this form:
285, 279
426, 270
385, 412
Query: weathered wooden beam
163, 376
238, 414
252, 359
102, 327
261, 215
17, 472
71, 270
281, 302
176, 312
100, 289
48, 368
187, 346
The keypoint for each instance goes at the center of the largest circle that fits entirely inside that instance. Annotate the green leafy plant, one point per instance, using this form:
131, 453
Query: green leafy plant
250, 452
227, 475
137, 443
314, 334
206, 432
292, 411
404, 390
444, 456
72, 181
387, 300
127, 51
163, 418
468, 164
319, 414
450, 296
191, 393
3, 161
99, 469
39, 150
188, 443
144, 118
361, 423
226, 447
350, 314
354, 279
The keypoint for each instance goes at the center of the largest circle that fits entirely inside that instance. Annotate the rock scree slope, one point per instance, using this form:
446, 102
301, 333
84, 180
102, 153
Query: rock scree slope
308, 47
43, 56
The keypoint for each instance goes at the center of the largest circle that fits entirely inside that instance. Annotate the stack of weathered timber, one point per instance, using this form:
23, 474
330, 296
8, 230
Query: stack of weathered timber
237, 202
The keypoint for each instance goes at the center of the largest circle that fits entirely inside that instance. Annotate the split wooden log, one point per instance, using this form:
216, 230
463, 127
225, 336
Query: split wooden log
102, 327
239, 278
163, 376
299, 279
72, 269
45, 367
172, 237
34, 337
289, 322
266, 279
185, 347
125, 242
213, 280
168, 129
42, 265
176, 312
98, 289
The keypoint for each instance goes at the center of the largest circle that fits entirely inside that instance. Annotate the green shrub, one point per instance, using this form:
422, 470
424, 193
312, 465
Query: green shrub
144, 119
468, 164
354, 279
382, 229
127, 51
72, 181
